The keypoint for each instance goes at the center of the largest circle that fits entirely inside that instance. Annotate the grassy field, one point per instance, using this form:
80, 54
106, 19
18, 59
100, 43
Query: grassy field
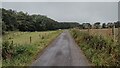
99, 50
107, 33
18, 50
24, 37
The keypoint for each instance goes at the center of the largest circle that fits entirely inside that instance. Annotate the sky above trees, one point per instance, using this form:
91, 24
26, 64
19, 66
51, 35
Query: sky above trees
81, 12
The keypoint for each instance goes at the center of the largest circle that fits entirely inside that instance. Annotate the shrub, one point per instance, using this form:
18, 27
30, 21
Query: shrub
14, 54
98, 50
7, 50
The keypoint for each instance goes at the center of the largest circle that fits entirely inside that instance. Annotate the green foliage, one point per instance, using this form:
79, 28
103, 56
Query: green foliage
14, 21
86, 25
18, 53
21, 55
7, 50
67, 25
104, 25
97, 25
99, 51
20, 21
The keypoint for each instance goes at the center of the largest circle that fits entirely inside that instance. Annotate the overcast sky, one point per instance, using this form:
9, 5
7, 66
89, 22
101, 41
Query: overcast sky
69, 11
60, 0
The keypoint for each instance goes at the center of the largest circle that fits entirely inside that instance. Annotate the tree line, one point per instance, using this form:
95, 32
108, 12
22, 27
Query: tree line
20, 21
98, 25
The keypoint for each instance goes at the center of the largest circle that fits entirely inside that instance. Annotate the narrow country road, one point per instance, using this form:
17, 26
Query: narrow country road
62, 52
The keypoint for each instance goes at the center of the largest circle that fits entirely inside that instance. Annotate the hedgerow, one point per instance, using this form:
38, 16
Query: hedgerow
98, 50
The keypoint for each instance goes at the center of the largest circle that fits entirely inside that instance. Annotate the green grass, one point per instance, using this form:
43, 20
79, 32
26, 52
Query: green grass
21, 51
24, 37
99, 50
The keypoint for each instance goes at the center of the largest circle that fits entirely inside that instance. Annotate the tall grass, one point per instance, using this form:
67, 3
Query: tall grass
99, 50
18, 53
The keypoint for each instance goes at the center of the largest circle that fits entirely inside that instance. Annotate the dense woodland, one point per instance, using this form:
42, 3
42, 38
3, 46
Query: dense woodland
20, 21
12, 20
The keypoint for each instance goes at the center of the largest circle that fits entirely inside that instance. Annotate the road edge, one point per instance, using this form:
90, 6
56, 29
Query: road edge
45, 48
80, 49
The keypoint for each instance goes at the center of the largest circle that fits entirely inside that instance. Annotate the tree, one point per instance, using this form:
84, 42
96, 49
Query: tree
86, 25
104, 25
9, 18
13, 20
117, 24
110, 25
97, 25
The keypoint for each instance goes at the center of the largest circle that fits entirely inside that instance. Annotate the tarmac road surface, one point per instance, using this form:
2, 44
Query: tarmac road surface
63, 51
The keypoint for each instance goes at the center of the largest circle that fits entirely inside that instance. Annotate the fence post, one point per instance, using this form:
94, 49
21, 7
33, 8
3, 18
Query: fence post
30, 39
119, 34
113, 33
12, 42
88, 30
113, 30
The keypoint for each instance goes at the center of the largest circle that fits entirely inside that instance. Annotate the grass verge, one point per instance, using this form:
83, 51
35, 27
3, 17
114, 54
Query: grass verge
22, 54
99, 50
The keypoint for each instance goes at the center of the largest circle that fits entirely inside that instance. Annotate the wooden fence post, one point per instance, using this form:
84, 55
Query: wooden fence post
88, 31
113, 33
113, 30
30, 39
119, 34
12, 42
